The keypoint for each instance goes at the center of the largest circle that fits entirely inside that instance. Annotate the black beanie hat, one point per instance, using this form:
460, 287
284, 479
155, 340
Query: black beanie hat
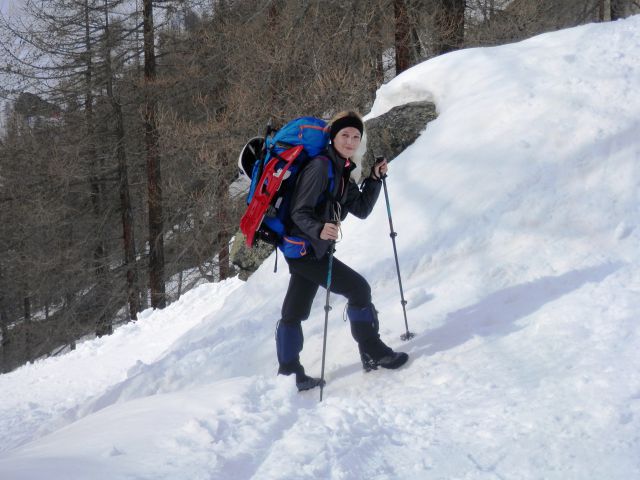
344, 120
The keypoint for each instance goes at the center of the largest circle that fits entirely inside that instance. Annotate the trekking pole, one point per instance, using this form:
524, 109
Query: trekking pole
327, 307
407, 335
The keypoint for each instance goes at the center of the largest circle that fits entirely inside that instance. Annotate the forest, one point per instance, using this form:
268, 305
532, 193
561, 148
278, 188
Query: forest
122, 121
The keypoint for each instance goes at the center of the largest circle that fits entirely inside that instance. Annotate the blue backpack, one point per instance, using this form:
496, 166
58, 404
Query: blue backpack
283, 154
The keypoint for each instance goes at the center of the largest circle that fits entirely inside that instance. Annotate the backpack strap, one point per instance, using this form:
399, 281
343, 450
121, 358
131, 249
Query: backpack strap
297, 247
330, 177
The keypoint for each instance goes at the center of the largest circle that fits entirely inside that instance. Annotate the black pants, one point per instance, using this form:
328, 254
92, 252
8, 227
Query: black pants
308, 273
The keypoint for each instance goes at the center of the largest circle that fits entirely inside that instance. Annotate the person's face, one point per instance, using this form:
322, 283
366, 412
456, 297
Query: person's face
347, 141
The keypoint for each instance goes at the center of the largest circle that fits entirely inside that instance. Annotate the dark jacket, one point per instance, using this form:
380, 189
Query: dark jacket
312, 207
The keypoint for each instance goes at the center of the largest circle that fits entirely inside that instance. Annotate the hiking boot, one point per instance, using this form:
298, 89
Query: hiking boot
392, 361
303, 381
307, 383
374, 352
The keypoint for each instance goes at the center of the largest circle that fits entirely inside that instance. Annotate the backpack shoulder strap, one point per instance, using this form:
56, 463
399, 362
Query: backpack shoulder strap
328, 193
330, 174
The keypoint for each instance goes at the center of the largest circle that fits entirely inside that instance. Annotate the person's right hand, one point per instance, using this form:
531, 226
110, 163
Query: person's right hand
330, 231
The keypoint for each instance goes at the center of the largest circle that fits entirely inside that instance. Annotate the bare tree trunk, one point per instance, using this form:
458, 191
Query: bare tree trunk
129, 246
133, 291
28, 339
103, 325
604, 10
4, 328
223, 256
617, 9
156, 240
4, 345
374, 27
180, 278
223, 220
450, 26
402, 36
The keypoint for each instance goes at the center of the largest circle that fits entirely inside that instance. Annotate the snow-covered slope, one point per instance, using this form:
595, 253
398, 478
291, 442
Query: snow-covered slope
518, 214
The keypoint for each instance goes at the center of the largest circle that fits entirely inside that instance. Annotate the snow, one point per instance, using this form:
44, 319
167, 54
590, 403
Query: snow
517, 214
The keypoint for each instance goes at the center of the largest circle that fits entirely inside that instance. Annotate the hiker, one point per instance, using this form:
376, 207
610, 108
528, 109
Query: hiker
316, 214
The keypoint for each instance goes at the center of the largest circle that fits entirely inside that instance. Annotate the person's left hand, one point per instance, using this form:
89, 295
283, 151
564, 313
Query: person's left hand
380, 168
